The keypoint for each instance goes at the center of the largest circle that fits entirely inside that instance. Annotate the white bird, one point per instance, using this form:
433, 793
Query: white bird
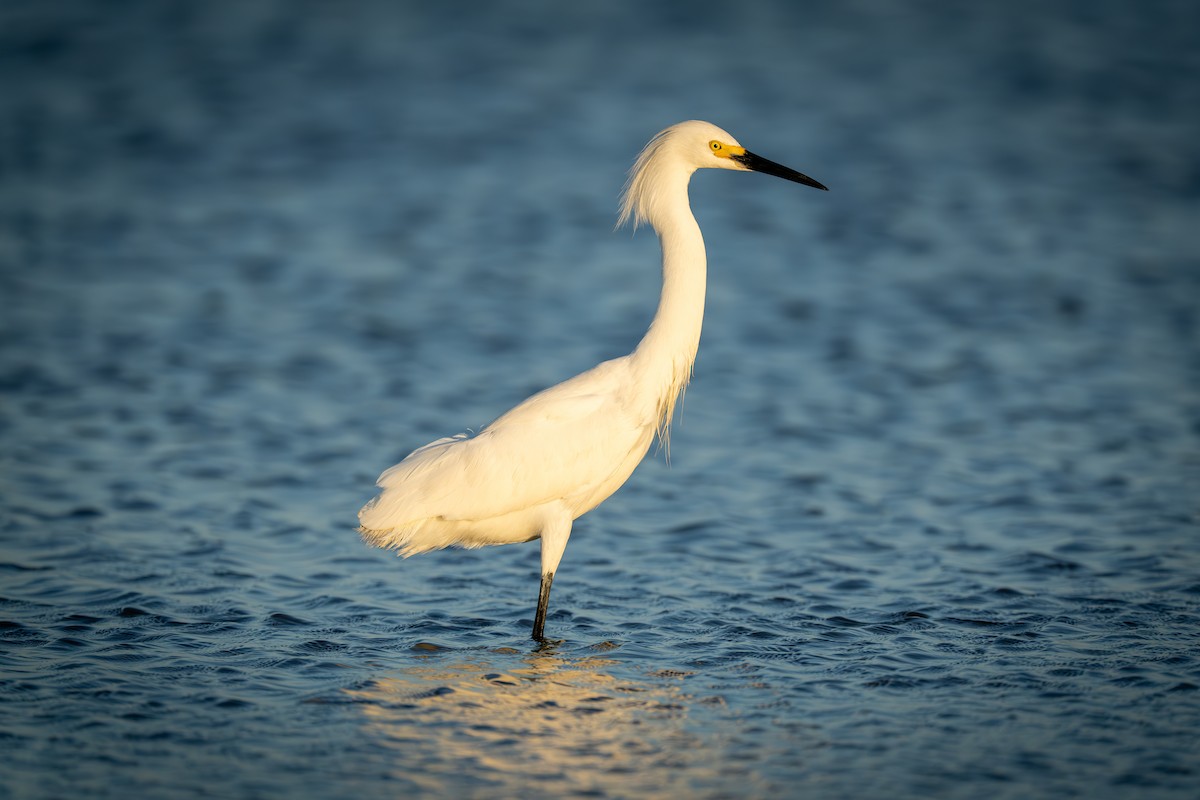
562, 452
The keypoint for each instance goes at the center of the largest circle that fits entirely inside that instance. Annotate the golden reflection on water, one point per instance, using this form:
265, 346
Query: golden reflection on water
546, 725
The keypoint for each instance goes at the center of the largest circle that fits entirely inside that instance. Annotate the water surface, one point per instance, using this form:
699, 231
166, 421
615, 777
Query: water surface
929, 524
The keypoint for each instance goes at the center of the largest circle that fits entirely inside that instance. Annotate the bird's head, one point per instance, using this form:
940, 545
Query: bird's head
680, 150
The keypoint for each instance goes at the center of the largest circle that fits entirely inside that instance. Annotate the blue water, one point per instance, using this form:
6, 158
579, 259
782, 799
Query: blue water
929, 526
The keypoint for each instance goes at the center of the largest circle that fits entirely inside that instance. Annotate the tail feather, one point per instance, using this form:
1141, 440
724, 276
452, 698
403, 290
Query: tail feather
395, 518
399, 539
382, 524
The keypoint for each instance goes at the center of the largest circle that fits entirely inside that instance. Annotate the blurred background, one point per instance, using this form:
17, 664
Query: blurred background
929, 523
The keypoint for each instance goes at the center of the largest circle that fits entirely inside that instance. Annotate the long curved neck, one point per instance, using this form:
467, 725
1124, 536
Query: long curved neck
664, 357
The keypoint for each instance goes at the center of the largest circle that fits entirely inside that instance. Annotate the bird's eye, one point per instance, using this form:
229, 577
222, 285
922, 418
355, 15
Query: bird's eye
716, 146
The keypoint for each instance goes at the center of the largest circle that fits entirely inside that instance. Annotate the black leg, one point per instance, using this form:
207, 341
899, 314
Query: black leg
539, 619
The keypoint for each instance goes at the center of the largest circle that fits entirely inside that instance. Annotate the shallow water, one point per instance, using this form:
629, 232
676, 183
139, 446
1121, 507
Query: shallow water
929, 526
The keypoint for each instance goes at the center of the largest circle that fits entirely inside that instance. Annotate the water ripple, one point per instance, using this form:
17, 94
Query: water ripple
929, 524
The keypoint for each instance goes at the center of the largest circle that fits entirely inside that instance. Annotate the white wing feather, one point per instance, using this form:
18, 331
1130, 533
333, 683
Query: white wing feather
566, 444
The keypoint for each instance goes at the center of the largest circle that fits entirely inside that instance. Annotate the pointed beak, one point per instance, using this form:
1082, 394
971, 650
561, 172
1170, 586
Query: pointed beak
760, 164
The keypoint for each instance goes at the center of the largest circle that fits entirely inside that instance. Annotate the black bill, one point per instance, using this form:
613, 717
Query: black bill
760, 164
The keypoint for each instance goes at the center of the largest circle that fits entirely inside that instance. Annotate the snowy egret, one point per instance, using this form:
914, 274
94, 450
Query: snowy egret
533, 471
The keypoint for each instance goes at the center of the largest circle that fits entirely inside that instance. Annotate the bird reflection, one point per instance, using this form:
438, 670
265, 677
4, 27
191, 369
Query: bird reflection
501, 722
